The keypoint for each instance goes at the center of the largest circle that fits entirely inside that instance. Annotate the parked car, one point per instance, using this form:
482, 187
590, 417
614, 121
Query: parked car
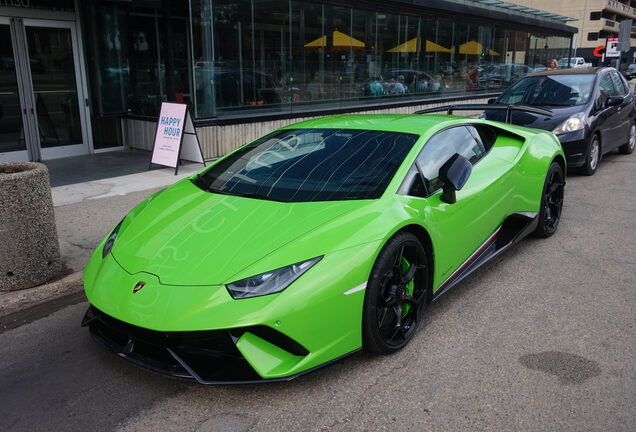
538, 67
593, 111
573, 62
505, 74
235, 87
316, 241
630, 71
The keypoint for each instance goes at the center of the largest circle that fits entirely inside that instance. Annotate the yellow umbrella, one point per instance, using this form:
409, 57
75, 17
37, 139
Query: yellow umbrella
492, 52
340, 40
411, 46
471, 48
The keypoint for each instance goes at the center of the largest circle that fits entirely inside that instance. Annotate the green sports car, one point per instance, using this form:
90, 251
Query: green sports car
320, 239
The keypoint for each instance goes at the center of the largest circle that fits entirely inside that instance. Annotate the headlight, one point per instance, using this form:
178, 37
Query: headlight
110, 241
270, 282
574, 123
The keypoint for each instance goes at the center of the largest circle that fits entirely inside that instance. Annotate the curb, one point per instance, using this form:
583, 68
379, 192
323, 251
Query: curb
15, 301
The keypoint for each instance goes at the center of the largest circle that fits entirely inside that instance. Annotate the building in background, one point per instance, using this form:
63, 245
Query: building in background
78, 77
596, 20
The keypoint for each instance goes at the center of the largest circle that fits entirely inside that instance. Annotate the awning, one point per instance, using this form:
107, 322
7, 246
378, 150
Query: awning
340, 41
411, 46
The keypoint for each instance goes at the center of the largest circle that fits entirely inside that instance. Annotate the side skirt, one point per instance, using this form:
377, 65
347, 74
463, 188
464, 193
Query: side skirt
515, 227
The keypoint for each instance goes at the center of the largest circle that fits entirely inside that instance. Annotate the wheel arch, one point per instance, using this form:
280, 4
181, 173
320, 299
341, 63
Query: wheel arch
598, 133
561, 161
425, 239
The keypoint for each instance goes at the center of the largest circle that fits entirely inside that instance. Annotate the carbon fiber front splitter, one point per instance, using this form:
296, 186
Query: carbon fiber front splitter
207, 357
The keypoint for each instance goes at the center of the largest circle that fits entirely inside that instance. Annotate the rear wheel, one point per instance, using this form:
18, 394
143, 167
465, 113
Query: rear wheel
551, 202
628, 147
395, 295
593, 156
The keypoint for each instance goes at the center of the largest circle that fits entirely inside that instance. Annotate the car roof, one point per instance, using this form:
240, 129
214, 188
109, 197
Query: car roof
407, 123
570, 71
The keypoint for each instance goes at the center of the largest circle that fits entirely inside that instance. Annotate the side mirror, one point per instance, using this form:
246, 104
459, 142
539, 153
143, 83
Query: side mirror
454, 173
614, 101
492, 101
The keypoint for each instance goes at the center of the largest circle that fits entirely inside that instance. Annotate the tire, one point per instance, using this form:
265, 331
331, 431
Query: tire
593, 156
551, 202
396, 294
628, 147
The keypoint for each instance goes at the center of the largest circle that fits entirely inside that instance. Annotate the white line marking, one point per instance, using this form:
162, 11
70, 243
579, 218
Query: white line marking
360, 287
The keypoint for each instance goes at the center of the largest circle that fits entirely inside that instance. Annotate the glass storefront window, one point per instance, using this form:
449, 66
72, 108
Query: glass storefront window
244, 57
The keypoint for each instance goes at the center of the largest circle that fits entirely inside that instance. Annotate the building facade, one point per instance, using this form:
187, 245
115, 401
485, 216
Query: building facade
596, 20
78, 77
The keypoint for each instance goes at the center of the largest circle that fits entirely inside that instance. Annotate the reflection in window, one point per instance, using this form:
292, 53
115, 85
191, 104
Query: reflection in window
442, 147
235, 57
298, 56
311, 165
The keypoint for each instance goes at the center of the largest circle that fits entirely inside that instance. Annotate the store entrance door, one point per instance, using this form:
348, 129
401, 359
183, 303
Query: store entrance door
42, 105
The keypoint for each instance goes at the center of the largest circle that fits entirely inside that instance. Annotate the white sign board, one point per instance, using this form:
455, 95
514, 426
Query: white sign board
612, 48
175, 138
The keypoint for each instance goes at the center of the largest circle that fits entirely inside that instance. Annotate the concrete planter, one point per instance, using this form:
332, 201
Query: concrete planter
29, 249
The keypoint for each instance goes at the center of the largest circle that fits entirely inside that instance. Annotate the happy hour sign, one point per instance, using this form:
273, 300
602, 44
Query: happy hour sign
169, 134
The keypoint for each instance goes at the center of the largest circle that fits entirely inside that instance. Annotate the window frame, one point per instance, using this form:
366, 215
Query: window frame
597, 98
414, 172
625, 90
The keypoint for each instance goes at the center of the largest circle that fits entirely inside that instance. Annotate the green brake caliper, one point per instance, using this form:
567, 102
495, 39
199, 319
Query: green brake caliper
409, 287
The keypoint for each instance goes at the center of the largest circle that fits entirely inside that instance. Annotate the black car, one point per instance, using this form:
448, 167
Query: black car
630, 71
593, 111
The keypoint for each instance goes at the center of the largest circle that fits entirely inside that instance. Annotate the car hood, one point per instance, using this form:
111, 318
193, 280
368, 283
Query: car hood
537, 121
186, 236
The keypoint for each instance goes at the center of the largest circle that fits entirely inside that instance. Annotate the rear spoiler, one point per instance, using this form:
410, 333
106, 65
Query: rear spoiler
495, 107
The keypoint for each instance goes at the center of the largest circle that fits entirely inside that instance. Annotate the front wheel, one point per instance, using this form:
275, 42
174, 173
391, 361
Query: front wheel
628, 147
593, 156
395, 295
551, 202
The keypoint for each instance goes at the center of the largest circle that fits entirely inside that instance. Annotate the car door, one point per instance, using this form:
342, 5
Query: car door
608, 117
459, 229
625, 111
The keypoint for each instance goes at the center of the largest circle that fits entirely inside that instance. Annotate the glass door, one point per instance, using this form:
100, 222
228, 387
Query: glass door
52, 101
59, 109
12, 134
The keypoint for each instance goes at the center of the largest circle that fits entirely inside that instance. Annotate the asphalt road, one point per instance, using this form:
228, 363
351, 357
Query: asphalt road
542, 339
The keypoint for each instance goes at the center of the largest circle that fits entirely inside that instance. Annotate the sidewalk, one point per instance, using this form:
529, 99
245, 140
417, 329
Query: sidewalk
86, 210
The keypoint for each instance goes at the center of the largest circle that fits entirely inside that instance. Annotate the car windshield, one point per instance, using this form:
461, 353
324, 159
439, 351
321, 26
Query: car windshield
550, 90
298, 165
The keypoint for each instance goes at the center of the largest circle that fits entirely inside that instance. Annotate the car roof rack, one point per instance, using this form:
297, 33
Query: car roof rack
496, 107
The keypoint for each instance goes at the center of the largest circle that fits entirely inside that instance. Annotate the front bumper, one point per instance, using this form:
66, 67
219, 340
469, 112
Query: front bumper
575, 147
208, 357
262, 334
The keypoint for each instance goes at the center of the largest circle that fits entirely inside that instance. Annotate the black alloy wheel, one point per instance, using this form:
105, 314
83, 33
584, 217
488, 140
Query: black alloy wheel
551, 202
628, 147
395, 295
593, 156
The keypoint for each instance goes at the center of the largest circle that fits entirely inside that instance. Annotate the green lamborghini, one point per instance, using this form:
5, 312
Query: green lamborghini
318, 240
